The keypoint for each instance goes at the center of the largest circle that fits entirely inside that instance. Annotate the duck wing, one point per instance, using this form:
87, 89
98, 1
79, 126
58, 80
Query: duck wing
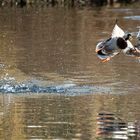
138, 35
137, 46
129, 49
117, 32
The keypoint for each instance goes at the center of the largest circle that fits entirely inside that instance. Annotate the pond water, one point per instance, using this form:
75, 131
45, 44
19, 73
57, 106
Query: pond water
53, 86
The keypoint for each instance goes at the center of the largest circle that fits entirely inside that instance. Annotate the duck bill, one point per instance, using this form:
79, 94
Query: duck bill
97, 50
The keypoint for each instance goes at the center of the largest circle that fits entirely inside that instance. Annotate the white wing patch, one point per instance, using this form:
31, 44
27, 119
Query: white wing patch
138, 35
129, 44
117, 32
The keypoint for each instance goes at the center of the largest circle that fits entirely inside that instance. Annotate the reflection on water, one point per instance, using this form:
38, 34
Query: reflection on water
114, 127
52, 85
42, 116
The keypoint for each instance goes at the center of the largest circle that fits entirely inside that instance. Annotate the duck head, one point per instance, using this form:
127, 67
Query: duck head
128, 37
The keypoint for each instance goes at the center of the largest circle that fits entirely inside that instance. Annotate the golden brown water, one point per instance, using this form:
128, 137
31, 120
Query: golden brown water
53, 87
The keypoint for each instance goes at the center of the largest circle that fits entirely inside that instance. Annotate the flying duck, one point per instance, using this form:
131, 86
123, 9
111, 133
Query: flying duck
114, 45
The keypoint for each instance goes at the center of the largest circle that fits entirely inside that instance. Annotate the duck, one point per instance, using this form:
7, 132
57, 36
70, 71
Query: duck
134, 51
138, 38
111, 47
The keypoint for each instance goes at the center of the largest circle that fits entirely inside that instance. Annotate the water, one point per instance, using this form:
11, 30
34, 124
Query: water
53, 86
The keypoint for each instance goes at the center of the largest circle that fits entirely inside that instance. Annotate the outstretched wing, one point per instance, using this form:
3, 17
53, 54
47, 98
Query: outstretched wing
138, 35
117, 32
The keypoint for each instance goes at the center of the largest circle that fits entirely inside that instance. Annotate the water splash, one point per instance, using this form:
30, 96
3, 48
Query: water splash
64, 88
10, 85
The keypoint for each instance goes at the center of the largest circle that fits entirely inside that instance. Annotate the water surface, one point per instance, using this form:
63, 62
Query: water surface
52, 84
